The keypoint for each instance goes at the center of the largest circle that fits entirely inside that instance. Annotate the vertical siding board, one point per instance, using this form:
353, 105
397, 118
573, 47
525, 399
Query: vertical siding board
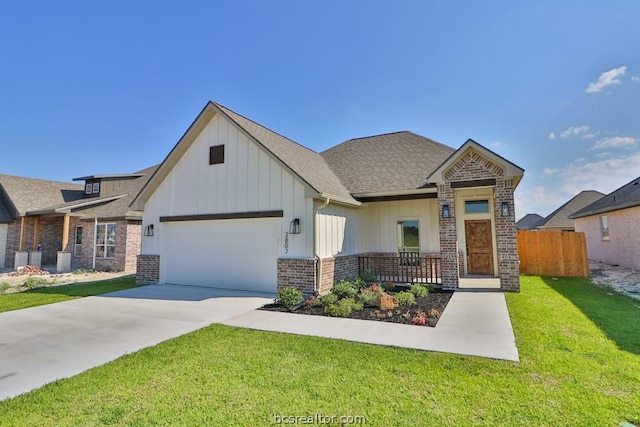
231, 166
253, 169
264, 186
242, 171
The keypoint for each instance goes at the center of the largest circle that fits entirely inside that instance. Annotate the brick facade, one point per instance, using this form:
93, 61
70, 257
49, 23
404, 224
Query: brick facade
506, 237
297, 272
474, 166
450, 260
125, 257
335, 269
148, 269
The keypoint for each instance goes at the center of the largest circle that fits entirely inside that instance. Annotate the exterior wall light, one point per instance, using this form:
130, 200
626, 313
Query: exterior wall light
445, 211
294, 226
148, 230
505, 209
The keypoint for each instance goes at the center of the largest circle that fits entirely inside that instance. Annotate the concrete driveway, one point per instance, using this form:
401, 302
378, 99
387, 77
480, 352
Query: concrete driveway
39, 345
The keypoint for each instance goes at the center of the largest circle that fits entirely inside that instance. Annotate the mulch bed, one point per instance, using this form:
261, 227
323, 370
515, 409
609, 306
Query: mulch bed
435, 300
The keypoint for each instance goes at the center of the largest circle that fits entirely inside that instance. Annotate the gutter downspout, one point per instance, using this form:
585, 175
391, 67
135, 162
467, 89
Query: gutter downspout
95, 234
316, 249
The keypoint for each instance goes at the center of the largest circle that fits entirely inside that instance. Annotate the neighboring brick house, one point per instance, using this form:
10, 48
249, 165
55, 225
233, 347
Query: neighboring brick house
612, 226
49, 223
236, 205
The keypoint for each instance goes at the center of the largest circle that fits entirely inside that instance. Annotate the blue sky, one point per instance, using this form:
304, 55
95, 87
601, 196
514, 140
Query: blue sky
89, 87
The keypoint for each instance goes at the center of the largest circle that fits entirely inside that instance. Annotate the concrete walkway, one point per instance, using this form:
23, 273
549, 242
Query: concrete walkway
39, 345
474, 323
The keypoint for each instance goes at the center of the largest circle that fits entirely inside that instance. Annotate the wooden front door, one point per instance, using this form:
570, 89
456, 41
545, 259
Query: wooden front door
479, 246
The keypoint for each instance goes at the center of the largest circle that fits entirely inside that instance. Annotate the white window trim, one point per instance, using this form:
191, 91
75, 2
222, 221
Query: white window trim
77, 253
602, 229
105, 245
399, 236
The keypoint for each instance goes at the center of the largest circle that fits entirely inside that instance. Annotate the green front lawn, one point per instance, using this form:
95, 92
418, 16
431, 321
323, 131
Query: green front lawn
51, 294
580, 366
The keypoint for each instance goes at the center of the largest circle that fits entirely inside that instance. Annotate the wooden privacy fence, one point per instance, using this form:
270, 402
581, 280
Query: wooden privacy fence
553, 253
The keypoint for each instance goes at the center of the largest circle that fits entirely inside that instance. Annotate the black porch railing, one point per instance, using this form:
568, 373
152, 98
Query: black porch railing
405, 267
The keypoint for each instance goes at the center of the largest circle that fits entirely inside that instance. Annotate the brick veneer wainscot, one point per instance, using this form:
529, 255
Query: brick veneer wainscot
148, 269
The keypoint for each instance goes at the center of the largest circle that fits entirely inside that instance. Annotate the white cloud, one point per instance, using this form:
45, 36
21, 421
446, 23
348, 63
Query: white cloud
605, 154
635, 78
552, 135
615, 142
498, 144
549, 171
589, 135
575, 130
607, 78
602, 175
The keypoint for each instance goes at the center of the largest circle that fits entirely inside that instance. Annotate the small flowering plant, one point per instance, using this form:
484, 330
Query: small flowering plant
433, 313
420, 318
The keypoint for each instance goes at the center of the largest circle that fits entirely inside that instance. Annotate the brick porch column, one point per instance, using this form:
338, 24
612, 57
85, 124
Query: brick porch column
448, 238
506, 237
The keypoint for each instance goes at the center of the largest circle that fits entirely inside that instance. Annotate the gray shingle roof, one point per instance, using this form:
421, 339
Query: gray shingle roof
384, 163
529, 222
29, 194
306, 163
624, 197
120, 208
560, 217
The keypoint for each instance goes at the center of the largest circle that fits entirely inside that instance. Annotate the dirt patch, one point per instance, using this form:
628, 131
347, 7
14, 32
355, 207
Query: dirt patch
11, 281
403, 314
621, 279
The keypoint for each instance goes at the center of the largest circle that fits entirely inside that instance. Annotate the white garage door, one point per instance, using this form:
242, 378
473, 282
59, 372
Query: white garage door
3, 243
232, 254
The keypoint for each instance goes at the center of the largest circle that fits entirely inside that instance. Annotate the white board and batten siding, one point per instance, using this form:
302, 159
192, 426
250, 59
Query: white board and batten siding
339, 231
249, 180
373, 227
3, 243
382, 219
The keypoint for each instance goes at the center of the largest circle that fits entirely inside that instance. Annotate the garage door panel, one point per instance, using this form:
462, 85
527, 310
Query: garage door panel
235, 254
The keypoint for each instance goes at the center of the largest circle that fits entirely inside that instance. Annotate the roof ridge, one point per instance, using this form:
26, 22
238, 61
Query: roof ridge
264, 127
39, 179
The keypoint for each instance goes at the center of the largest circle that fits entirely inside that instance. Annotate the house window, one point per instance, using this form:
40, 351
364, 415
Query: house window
408, 236
88, 189
96, 187
106, 241
216, 154
476, 206
604, 227
77, 248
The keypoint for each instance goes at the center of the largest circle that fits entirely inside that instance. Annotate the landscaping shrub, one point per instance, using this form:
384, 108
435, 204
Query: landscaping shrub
368, 277
344, 289
359, 283
388, 286
328, 299
4, 287
433, 313
405, 298
34, 282
341, 308
419, 291
368, 298
289, 297
315, 302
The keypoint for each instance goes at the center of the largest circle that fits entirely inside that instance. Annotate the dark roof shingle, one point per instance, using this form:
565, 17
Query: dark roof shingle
560, 218
29, 194
627, 196
529, 222
384, 163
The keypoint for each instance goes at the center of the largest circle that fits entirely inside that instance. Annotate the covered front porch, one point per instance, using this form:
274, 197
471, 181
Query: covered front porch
46, 240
